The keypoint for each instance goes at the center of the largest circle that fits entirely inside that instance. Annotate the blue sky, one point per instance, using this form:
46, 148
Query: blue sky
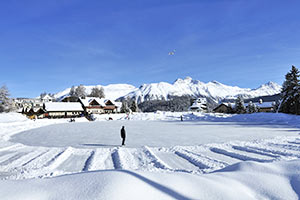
50, 45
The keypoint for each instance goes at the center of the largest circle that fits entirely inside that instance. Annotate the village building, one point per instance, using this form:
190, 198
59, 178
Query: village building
47, 98
94, 105
261, 107
110, 106
63, 110
199, 105
35, 113
224, 108
25, 104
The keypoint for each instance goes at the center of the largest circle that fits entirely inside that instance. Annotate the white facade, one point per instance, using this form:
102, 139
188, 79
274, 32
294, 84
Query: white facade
63, 109
200, 104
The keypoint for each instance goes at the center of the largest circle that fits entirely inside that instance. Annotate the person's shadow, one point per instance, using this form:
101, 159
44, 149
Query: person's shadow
101, 145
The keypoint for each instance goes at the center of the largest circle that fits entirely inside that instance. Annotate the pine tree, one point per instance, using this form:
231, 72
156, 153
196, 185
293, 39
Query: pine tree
133, 106
5, 103
290, 95
252, 108
239, 105
124, 107
42, 95
97, 92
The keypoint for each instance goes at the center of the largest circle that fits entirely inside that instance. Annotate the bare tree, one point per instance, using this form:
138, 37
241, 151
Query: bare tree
97, 92
80, 91
5, 103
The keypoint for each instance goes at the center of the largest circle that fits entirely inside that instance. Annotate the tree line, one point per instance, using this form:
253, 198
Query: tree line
80, 92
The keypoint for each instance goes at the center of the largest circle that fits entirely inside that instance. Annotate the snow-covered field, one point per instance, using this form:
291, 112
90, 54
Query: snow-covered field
207, 156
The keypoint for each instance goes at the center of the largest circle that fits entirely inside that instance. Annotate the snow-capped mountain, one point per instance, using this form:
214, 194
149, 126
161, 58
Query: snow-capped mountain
187, 86
112, 91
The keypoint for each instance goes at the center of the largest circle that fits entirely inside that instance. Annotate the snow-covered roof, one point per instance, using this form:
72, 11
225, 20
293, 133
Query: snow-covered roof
87, 100
36, 109
47, 97
262, 105
63, 106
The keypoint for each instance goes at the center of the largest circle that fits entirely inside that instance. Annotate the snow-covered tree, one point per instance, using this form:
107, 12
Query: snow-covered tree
124, 107
42, 95
5, 103
290, 94
133, 106
252, 108
97, 92
72, 91
80, 91
239, 105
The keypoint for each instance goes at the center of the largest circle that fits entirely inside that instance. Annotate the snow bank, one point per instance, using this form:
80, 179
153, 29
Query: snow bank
13, 123
246, 180
261, 118
12, 117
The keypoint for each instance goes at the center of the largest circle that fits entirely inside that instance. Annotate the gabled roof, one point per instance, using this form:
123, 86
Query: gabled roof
87, 100
63, 106
228, 105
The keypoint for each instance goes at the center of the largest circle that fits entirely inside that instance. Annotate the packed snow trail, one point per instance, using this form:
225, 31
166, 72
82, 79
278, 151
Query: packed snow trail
19, 162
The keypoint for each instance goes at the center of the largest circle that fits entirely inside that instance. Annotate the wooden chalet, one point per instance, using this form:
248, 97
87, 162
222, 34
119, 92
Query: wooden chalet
263, 106
224, 108
110, 106
93, 105
35, 113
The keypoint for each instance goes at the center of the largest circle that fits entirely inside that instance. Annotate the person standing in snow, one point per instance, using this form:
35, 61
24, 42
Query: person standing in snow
123, 135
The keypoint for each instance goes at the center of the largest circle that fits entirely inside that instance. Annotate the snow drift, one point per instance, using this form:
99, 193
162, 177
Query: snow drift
245, 180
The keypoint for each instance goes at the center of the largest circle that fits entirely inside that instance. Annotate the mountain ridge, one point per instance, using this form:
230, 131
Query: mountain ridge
181, 87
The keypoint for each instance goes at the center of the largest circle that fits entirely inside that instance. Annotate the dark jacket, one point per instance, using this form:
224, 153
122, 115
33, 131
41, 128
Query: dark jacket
123, 133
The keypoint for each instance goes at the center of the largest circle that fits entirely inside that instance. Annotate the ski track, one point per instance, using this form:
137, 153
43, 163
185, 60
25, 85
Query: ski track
21, 160
101, 160
276, 151
88, 161
235, 155
156, 161
291, 142
210, 163
286, 146
18, 161
248, 149
116, 159
192, 159
58, 159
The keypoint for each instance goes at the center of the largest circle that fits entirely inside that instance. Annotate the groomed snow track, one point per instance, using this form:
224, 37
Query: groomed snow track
18, 161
